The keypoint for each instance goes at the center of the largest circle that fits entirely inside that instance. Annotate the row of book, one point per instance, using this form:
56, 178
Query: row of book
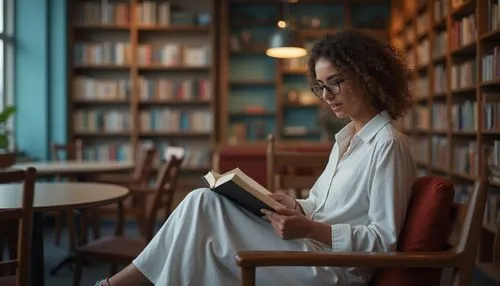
494, 158
108, 152
464, 116
463, 74
466, 158
440, 44
421, 117
440, 10
491, 64
106, 52
175, 120
88, 88
440, 79
100, 120
163, 14
174, 54
463, 32
196, 155
421, 87
422, 50
174, 89
102, 12
439, 116
491, 111
491, 216
423, 23
420, 147
493, 15
439, 146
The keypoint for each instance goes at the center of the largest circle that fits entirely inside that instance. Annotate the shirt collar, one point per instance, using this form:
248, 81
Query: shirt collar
368, 131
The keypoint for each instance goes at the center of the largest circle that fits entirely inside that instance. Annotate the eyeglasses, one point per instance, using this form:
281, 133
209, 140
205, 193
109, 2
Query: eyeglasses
333, 88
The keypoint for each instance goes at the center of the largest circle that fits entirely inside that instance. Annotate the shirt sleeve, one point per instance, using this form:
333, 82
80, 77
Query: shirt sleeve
309, 205
390, 191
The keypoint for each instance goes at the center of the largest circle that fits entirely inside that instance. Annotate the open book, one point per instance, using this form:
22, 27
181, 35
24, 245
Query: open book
241, 189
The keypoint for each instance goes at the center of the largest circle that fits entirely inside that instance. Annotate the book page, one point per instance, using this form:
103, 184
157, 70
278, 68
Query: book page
209, 179
251, 182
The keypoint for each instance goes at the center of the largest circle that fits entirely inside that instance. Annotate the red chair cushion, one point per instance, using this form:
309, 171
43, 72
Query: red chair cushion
427, 227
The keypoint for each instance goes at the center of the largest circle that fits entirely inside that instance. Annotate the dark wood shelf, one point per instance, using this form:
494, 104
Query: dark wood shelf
300, 105
490, 83
173, 29
110, 27
440, 25
101, 66
173, 134
174, 102
102, 134
252, 82
464, 9
464, 90
294, 72
252, 114
159, 67
102, 101
491, 36
466, 50
463, 133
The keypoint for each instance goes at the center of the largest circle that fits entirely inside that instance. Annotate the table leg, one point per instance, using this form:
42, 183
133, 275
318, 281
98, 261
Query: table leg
37, 259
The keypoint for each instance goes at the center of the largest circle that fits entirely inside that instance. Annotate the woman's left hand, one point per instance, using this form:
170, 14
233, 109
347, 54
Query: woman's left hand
290, 224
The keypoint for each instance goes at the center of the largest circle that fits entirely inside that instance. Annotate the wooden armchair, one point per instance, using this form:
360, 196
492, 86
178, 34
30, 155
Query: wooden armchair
423, 242
122, 250
20, 265
138, 178
292, 170
61, 152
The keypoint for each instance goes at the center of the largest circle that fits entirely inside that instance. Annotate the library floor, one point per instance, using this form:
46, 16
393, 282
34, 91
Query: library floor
95, 271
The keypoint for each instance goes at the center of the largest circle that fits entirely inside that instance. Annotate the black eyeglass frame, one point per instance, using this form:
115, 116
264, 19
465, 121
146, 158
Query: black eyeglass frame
327, 86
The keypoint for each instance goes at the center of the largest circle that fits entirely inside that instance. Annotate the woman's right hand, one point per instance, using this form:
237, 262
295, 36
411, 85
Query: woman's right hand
287, 201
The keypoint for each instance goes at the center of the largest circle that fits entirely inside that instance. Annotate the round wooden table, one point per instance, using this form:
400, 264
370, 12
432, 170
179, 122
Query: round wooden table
49, 168
55, 196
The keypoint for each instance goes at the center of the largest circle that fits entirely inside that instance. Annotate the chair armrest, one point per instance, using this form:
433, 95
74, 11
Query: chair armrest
252, 259
141, 191
118, 179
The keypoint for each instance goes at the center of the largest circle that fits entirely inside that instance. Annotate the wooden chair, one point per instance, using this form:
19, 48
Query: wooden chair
431, 257
138, 178
122, 250
20, 265
62, 152
292, 170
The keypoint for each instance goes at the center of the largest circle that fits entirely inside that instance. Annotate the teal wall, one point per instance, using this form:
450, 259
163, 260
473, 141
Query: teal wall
40, 75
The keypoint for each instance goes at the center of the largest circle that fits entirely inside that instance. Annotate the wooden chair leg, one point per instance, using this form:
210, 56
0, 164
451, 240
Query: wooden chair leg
77, 271
96, 224
58, 227
248, 276
84, 226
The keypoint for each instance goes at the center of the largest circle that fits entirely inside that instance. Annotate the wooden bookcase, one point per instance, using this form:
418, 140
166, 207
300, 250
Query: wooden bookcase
457, 92
143, 72
261, 95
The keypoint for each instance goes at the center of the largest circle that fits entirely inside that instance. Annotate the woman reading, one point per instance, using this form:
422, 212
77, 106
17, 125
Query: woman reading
358, 204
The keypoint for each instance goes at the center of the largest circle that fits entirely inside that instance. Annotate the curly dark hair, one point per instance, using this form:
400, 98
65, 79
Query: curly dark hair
378, 69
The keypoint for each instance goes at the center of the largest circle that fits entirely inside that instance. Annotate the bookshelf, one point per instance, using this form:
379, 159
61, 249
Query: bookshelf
141, 72
261, 95
452, 48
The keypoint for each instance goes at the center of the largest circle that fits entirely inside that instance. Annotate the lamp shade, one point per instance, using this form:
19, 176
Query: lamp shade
285, 43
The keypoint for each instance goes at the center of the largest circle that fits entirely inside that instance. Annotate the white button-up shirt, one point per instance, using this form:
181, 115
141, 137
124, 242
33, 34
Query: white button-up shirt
364, 194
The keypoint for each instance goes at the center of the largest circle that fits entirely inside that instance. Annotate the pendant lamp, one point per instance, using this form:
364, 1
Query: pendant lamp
285, 42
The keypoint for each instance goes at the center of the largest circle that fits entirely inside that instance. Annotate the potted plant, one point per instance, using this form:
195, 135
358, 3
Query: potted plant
7, 154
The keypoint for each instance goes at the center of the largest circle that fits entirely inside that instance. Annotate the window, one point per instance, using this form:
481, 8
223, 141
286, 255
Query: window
6, 52
7, 56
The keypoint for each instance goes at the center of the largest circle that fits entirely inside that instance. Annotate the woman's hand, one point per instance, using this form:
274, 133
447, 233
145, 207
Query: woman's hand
287, 201
289, 224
